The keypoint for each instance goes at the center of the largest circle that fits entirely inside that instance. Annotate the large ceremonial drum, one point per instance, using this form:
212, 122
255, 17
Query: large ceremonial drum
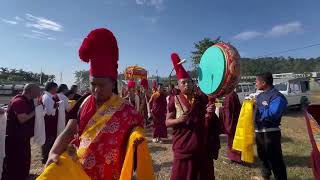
219, 70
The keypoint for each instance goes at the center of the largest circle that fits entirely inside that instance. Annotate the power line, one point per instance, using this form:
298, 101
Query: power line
289, 50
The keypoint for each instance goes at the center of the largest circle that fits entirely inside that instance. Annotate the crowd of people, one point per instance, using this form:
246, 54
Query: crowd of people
21, 120
100, 124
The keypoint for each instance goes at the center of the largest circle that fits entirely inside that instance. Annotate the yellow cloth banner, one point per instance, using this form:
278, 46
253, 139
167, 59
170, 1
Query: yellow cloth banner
144, 162
68, 169
244, 137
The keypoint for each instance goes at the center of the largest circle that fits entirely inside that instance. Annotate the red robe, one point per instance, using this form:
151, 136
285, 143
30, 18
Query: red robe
194, 153
313, 111
16, 164
105, 155
159, 110
231, 113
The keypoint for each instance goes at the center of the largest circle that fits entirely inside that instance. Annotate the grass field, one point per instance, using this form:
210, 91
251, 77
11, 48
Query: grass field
296, 150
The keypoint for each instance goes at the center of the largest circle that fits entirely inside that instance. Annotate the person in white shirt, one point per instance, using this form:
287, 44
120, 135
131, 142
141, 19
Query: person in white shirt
50, 102
61, 93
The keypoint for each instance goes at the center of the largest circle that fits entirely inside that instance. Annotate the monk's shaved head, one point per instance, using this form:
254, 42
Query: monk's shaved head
31, 90
29, 87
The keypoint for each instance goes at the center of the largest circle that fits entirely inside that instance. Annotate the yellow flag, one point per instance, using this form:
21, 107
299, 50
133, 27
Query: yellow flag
244, 137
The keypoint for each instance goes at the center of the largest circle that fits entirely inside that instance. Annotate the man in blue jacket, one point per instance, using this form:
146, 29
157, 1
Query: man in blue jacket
270, 106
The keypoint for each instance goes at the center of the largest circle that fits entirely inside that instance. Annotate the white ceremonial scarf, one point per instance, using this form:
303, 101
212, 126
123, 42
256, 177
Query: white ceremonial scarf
39, 126
61, 117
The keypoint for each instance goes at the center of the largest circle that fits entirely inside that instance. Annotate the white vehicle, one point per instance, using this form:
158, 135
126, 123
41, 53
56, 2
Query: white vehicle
244, 90
296, 90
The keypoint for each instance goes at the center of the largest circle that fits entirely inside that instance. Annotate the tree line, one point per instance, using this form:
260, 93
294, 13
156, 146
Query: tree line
20, 76
254, 66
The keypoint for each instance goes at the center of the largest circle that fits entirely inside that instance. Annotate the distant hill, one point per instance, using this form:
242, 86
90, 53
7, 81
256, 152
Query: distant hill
279, 65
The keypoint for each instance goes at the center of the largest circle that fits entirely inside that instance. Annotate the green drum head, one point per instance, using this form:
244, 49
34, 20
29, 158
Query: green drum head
211, 70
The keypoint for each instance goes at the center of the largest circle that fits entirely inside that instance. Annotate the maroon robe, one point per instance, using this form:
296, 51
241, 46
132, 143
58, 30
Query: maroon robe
51, 122
314, 111
194, 153
144, 99
231, 111
159, 110
16, 164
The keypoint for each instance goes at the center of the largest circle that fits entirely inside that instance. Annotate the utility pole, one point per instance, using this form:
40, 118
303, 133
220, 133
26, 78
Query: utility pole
41, 76
60, 77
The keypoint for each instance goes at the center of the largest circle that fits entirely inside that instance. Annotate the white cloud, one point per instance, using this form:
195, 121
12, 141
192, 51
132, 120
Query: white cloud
284, 29
140, 2
42, 23
17, 18
9, 21
247, 35
37, 36
34, 34
151, 20
51, 38
39, 32
276, 31
158, 4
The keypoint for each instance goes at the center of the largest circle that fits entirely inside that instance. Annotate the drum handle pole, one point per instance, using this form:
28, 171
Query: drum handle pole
170, 77
208, 117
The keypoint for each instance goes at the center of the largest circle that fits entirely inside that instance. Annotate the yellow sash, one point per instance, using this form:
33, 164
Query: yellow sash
144, 162
244, 137
97, 122
72, 103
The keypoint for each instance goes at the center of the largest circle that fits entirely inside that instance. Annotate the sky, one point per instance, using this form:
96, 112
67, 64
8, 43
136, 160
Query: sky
45, 35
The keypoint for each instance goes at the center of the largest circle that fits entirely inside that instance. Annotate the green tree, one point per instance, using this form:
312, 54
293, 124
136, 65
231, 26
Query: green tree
200, 48
82, 79
21, 76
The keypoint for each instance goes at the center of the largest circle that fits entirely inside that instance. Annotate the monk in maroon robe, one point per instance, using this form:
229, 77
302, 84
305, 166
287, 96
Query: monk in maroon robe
20, 128
231, 111
144, 100
158, 104
195, 138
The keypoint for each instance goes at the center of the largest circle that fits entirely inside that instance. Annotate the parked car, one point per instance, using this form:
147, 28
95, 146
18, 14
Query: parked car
296, 90
244, 90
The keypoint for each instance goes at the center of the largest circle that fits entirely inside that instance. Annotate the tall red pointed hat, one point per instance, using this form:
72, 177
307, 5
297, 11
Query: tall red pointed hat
131, 84
144, 83
180, 71
100, 49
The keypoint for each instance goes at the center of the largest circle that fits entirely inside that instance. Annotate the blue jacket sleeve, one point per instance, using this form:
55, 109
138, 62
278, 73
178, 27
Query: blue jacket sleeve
274, 110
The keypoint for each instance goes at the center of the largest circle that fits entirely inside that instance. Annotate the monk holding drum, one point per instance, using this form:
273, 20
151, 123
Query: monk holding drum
193, 150
191, 112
